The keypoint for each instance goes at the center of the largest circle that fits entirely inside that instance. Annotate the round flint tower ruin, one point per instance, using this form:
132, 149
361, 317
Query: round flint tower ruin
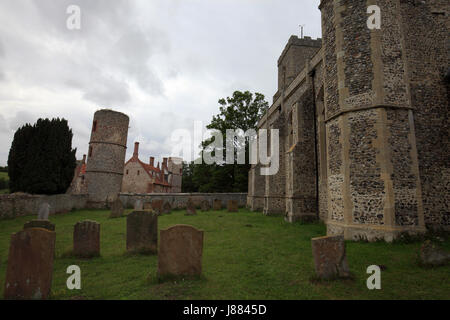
106, 158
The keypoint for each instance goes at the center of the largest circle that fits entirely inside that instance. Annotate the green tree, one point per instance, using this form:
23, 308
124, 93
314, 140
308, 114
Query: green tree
241, 111
188, 184
41, 159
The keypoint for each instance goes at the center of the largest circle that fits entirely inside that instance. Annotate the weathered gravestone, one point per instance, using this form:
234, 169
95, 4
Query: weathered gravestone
44, 211
433, 255
86, 239
232, 206
147, 206
30, 264
167, 208
330, 257
142, 232
197, 201
138, 206
157, 206
217, 205
190, 208
116, 209
180, 251
45, 224
205, 205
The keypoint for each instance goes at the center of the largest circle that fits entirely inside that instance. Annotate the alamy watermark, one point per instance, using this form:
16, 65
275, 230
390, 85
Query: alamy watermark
374, 20
73, 22
74, 280
374, 281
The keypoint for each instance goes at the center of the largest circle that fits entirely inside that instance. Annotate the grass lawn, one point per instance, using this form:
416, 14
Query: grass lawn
246, 256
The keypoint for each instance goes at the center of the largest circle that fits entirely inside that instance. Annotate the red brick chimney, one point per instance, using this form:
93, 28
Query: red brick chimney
164, 162
84, 159
152, 161
136, 150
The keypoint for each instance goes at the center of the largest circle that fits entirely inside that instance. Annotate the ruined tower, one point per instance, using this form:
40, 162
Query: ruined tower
106, 157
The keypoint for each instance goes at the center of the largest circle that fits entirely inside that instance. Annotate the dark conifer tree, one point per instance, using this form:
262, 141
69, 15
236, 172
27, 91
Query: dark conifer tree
41, 159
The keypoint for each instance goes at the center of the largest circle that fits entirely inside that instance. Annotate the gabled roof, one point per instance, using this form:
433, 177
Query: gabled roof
150, 170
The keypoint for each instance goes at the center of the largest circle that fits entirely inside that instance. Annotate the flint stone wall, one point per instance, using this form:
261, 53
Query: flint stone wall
17, 205
179, 200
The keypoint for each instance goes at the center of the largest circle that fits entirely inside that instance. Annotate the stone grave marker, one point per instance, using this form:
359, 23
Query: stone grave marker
167, 208
138, 206
232, 206
157, 206
180, 251
116, 209
30, 264
190, 208
147, 206
205, 205
44, 211
330, 257
217, 205
142, 232
86, 239
432, 255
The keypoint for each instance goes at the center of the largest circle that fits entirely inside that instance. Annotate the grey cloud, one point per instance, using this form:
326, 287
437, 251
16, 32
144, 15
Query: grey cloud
163, 62
20, 119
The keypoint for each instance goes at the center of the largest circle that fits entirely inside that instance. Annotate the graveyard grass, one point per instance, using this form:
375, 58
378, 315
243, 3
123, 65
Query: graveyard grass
246, 256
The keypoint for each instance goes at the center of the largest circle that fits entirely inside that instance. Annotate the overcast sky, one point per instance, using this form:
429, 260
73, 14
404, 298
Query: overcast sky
165, 63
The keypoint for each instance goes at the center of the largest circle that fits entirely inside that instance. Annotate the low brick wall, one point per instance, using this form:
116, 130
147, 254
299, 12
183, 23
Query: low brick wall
179, 200
16, 205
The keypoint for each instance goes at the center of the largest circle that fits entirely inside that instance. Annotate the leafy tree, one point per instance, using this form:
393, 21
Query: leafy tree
41, 159
241, 111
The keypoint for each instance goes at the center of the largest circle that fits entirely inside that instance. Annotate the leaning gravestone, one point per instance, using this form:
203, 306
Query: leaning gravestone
205, 205
232, 206
330, 258
86, 239
190, 208
44, 211
138, 205
45, 224
30, 264
217, 205
167, 208
157, 206
142, 232
116, 209
180, 251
